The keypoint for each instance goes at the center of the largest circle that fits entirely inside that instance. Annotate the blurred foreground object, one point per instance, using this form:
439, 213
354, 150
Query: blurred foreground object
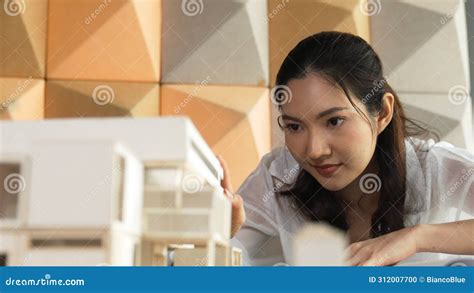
319, 245
110, 192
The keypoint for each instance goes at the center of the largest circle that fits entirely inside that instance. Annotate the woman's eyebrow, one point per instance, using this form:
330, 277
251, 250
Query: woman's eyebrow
320, 115
330, 111
288, 117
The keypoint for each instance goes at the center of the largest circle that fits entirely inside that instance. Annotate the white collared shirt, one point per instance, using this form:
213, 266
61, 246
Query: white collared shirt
439, 186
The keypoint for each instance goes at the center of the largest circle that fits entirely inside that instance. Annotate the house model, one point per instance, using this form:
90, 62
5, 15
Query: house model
113, 191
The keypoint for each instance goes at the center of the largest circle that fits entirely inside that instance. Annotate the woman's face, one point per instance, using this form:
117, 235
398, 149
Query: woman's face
325, 133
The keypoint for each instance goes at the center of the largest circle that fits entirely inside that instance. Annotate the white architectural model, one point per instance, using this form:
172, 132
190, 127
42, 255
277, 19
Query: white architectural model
225, 256
75, 194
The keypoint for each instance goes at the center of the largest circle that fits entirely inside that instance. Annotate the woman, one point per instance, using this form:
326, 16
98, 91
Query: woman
351, 160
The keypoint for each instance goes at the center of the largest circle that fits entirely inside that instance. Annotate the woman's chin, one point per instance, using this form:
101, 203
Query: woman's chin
331, 184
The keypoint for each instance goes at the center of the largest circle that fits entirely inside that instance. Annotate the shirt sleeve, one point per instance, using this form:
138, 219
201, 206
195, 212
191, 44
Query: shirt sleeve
449, 173
259, 237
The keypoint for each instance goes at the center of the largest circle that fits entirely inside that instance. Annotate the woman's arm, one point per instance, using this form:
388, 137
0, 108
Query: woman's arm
453, 238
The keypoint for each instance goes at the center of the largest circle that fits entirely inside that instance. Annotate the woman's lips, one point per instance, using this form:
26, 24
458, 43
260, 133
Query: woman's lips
327, 170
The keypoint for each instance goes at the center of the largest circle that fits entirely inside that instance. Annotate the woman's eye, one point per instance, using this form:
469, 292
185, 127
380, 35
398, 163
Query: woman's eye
336, 121
292, 127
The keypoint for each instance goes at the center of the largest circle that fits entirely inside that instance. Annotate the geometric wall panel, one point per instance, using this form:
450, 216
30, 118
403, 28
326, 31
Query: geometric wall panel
452, 119
104, 40
23, 38
234, 121
423, 44
293, 21
225, 42
100, 99
424, 50
21, 99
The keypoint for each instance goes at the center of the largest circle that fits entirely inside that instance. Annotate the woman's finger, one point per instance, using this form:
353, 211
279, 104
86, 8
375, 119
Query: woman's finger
370, 263
238, 211
229, 195
353, 249
226, 183
238, 214
237, 201
357, 258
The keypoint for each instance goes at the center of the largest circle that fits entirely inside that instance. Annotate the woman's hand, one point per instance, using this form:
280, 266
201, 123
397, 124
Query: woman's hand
238, 212
385, 250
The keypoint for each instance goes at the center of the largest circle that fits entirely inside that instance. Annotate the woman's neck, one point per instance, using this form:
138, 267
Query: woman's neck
353, 195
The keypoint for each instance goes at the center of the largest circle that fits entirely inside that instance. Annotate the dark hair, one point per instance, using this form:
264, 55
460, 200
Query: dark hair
350, 63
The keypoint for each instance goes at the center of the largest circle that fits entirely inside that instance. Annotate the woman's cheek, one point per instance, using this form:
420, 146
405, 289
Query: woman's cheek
296, 145
354, 148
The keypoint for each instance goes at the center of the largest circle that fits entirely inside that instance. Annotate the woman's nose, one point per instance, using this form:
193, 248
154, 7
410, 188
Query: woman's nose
317, 148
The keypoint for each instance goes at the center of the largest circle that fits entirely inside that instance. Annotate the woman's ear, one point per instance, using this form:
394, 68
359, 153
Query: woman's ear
386, 113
